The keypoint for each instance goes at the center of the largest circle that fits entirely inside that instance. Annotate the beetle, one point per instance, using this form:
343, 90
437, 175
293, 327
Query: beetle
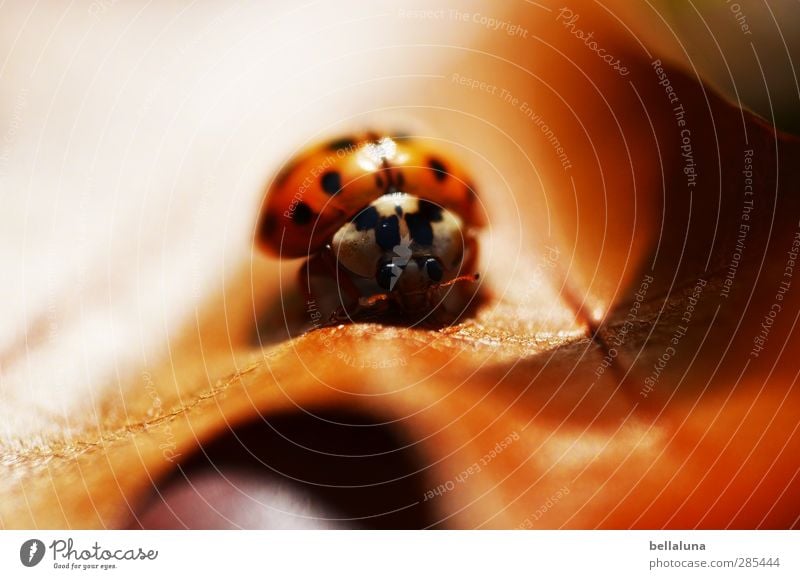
391, 219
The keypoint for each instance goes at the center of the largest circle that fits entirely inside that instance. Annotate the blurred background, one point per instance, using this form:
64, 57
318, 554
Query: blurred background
749, 50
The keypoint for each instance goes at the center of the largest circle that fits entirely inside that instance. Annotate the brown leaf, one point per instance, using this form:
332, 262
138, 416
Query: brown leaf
611, 377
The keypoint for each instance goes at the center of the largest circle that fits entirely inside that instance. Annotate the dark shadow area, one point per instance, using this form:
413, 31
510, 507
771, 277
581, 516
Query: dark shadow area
339, 470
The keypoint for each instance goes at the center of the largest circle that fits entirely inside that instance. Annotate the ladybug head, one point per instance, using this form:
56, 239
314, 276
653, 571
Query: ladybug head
404, 243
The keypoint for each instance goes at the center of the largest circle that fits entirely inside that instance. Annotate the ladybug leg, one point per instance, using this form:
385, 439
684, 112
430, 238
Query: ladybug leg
470, 258
304, 276
375, 303
447, 302
367, 307
345, 287
328, 289
467, 278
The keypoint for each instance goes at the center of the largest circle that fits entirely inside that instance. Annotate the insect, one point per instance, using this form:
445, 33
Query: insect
385, 222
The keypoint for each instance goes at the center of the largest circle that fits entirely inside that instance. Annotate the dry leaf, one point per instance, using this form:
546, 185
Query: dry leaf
611, 378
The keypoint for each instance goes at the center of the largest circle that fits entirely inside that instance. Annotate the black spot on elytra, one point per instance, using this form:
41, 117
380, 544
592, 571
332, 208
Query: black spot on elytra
438, 168
378, 181
331, 182
344, 143
302, 214
367, 219
419, 227
400, 179
387, 233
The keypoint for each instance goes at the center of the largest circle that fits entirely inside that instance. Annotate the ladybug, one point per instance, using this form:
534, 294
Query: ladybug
387, 222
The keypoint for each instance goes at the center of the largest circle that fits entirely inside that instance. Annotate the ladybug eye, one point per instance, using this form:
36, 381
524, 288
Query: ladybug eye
387, 275
434, 269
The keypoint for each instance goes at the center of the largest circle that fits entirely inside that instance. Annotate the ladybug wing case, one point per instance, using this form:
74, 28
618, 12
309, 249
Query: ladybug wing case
326, 187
